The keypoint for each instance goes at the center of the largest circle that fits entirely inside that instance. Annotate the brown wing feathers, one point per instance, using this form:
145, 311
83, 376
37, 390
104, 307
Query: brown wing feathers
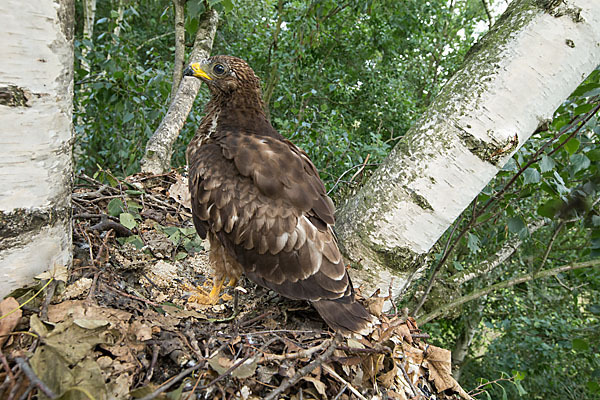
263, 199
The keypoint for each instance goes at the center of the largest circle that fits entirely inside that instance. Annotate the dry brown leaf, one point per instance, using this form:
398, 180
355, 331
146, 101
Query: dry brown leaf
180, 192
387, 378
77, 288
8, 323
320, 386
375, 305
404, 333
440, 371
396, 395
79, 309
414, 354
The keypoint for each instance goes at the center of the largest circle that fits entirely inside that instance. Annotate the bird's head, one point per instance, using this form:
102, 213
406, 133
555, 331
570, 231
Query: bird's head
225, 75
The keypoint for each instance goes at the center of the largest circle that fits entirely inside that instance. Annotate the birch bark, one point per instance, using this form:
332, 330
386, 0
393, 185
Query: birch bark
36, 97
534, 57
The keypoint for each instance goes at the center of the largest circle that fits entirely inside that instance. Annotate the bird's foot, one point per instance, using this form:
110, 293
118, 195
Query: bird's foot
202, 297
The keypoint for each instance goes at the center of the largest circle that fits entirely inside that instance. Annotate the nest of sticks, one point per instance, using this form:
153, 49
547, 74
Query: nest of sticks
118, 324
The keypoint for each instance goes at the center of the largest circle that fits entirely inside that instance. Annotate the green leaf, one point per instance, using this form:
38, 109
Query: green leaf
520, 388
516, 224
579, 162
584, 109
550, 208
593, 155
181, 255
227, 5
133, 239
504, 395
127, 220
473, 243
580, 345
128, 117
115, 207
519, 375
458, 266
547, 163
572, 145
532, 175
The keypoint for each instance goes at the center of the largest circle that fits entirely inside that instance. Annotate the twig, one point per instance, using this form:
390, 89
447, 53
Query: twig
520, 279
131, 296
252, 320
106, 224
173, 381
407, 378
47, 299
343, 381
447, 251
339, 179
234, 366
155, 349
342, 390
382, 350
299, 354
28, 300
154, 39
362, 167
550, 244
486, 7
33, 377
6, 366
307, 369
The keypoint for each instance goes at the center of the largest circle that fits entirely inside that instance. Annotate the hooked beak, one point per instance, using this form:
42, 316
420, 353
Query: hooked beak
195, 69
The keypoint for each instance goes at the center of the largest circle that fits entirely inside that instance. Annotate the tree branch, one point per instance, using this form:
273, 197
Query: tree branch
486, 7
179, 6
506, 251
502, 285
157, 158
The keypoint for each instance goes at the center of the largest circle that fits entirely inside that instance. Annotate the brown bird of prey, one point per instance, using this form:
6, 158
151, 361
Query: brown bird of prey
260, 201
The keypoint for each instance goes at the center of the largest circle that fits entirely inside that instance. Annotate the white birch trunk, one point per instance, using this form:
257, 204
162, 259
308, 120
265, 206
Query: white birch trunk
36, 97
89, 15
522, 70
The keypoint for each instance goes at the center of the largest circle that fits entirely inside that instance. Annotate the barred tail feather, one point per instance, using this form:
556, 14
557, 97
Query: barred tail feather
345, 317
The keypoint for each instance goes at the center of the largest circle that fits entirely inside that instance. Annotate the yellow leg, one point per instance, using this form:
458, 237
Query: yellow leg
216, 289
213, 297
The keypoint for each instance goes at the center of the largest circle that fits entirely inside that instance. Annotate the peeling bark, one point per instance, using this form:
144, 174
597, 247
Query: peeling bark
36, 99
159, 148
510, 83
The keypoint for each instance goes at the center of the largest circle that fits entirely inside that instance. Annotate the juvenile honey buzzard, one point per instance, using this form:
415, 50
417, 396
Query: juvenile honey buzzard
260, 201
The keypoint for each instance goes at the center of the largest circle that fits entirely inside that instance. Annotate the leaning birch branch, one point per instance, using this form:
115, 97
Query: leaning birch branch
507, 250
179, 6
159, 148
502, 285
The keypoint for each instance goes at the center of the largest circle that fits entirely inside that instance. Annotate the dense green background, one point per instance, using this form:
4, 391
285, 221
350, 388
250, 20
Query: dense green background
346, 80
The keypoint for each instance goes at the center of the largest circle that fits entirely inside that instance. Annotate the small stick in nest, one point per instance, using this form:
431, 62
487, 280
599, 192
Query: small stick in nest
307, 369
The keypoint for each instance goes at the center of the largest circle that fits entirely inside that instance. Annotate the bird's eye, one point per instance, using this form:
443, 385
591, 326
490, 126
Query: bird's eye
219, 69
